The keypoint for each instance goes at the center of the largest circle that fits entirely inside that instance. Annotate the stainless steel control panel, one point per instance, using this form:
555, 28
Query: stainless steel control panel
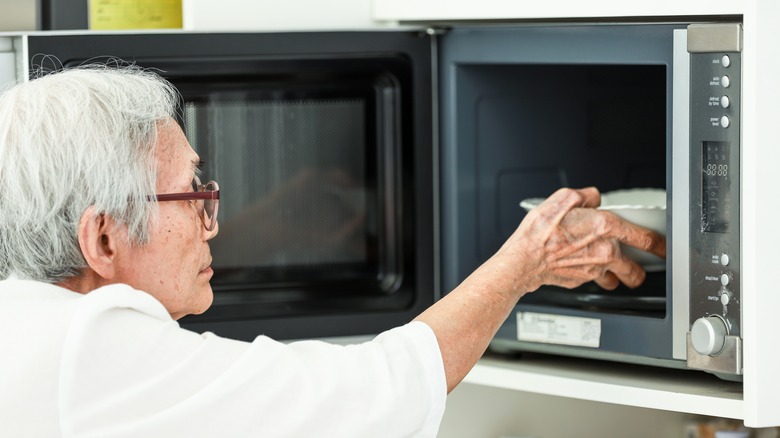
714, 339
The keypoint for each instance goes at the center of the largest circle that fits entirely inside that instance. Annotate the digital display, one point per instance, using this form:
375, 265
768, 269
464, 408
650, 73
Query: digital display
716, 187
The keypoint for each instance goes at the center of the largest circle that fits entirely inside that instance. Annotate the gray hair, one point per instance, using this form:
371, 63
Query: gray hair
70, 140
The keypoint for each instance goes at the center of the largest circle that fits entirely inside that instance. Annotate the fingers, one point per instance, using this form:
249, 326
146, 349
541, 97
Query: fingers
602, 263
578, 243
625, 271
591, 198
564, 200
632, 278
606, 250
634, 235
591, 249
608, 281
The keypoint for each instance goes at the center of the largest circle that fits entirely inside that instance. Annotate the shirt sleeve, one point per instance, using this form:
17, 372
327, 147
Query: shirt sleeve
131, 371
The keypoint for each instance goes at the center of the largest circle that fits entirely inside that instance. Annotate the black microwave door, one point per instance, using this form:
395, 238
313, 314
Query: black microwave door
322, 145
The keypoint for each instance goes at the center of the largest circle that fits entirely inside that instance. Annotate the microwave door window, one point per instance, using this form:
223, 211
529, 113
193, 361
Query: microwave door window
294, 182
298, 189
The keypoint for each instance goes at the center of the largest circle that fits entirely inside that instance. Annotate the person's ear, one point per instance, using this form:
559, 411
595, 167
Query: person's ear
98, 242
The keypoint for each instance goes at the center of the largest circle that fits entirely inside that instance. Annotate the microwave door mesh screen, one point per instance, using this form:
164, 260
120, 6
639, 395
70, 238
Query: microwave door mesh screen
296, 193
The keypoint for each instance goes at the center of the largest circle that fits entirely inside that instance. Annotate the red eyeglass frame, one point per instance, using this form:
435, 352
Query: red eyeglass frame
209, 220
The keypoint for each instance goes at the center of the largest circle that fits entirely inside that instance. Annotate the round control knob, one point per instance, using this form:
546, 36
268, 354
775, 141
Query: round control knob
708, 335
724, 279
725, 61
725, 122
725, 102
725, 81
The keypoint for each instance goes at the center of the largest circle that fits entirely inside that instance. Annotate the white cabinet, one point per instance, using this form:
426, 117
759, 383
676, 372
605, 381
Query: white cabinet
446, 10
267, 15
631, 385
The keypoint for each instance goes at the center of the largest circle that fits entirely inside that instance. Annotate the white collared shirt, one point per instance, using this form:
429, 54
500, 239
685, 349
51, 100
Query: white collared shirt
112, 363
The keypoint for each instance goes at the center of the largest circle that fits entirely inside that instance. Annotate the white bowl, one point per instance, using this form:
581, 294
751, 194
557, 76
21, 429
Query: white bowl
643, 207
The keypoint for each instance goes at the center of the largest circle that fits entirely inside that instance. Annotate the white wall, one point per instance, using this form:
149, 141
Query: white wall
17, 15
268, 15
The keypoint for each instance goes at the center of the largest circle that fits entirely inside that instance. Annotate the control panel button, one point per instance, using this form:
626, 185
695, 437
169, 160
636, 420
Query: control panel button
708, 335
724, 279
725, 81
725, 299
725, 61
725, 102
724, 259
725, 122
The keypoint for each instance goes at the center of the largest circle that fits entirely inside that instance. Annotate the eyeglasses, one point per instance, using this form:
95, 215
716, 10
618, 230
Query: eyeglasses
207, 193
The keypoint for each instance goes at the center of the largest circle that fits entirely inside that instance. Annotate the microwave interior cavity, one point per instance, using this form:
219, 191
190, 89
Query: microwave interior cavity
532, 109
565, 107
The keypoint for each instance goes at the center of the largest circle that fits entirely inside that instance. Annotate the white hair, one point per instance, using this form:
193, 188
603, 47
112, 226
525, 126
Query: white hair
83, 137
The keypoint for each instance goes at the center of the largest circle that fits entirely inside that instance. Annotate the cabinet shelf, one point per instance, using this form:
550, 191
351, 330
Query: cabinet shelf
632, 385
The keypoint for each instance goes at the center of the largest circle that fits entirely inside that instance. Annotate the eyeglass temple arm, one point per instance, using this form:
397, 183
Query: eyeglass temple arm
214, 194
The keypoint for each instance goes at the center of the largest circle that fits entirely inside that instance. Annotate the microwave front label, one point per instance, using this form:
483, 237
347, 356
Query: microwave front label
558, 329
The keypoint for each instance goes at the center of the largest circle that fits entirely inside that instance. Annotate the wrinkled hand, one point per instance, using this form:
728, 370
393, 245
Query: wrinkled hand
567, 242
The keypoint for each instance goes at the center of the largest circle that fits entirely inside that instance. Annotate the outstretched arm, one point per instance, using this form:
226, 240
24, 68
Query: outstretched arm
566, 242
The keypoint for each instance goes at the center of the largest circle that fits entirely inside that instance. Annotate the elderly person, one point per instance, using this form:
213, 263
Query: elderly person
104, 242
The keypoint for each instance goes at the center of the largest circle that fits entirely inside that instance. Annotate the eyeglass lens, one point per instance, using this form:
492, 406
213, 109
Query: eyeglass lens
210, 206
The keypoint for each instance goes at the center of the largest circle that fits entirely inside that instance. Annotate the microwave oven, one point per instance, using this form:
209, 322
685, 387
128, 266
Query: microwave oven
526, 111
367, 173
325, 171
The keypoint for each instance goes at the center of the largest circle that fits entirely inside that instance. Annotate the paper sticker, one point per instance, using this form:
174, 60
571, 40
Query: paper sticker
135, 14
558, 329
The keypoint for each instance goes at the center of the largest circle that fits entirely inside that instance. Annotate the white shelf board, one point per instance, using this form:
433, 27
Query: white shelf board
632, 385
